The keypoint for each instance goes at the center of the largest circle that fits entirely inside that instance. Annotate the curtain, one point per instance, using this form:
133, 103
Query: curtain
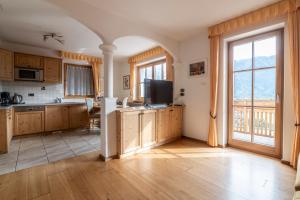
254, 18
170, 68
96, 77
132, 79
214, 78
294, 42
79, 81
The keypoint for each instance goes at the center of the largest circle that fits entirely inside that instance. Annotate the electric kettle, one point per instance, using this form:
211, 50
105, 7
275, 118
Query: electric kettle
17, 99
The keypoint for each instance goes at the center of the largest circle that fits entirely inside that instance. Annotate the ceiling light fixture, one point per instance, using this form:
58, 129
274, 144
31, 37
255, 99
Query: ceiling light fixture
54, 36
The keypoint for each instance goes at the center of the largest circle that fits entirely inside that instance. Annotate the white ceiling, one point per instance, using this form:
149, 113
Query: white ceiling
25, 21
131, 45
179, 19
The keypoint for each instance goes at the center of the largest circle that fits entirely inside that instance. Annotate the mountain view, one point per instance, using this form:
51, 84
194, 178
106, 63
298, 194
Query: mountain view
264, 79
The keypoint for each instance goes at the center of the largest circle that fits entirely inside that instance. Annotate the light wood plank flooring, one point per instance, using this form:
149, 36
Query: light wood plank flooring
185, 169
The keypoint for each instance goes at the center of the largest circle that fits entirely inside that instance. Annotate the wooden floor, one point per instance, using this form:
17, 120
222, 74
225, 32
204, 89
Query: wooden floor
182, 170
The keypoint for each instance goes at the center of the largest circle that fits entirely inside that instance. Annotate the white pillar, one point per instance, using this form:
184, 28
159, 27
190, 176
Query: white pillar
108, 116
108, 51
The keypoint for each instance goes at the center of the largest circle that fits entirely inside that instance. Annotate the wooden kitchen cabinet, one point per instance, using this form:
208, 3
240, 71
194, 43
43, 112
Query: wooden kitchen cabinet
78, 116
148, 127
6, 129
28, 61
163, 125
52, 70
6, 65
130, 139
56, 118
29, 122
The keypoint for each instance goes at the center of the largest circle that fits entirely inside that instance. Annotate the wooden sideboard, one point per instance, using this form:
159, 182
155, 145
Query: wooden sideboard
140, 129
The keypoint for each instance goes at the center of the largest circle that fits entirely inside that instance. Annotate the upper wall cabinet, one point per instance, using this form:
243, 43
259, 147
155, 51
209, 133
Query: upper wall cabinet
52, 70
6, 65
28, 61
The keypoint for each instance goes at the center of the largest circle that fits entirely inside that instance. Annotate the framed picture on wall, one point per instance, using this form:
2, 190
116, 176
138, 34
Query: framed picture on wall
126, 82
197, 68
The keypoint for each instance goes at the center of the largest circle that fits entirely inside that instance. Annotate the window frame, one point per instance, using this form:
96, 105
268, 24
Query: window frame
152, 65
275, 151
66, 96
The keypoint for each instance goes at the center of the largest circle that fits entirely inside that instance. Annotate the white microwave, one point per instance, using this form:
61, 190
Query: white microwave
25, 74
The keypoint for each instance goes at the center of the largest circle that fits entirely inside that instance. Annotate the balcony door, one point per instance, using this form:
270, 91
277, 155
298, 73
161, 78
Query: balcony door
255, 84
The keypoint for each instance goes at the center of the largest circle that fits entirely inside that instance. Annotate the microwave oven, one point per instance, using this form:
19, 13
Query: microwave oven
26, 74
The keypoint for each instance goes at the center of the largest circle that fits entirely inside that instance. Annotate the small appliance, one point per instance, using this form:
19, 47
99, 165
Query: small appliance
26, 74
5, 98
17, 99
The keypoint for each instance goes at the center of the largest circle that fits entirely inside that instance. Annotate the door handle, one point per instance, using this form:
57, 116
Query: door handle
277, 98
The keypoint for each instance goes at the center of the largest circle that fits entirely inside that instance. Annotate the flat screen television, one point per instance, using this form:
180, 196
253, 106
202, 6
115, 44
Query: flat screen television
158, 92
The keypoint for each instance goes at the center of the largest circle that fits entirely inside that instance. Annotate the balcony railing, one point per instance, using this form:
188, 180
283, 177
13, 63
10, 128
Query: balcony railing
263, 119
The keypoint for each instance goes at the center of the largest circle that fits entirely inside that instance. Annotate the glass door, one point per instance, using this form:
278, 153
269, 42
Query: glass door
255, 79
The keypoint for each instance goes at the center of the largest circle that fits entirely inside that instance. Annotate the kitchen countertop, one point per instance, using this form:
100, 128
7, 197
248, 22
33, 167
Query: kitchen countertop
41, 104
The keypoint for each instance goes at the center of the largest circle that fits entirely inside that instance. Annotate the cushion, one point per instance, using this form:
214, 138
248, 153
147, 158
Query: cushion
297, 196
297, 182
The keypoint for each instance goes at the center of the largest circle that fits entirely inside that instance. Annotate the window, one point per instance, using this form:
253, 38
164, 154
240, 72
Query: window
155, 70
78, 81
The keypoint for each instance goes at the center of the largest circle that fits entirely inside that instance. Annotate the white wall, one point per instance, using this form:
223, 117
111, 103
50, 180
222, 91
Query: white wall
121, 68
197, 89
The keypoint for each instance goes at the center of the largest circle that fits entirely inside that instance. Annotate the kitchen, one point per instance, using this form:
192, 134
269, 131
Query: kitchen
39, 122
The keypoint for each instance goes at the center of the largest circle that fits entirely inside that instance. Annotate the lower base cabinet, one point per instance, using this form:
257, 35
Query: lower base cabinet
56, 118
6, 129
78, 116
138, 130
29, 122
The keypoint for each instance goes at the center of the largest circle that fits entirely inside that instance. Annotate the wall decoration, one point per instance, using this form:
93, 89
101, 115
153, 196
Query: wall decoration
126, 82
198, 68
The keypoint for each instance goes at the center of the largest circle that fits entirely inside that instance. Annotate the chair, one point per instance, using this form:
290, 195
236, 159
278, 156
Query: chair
93, 114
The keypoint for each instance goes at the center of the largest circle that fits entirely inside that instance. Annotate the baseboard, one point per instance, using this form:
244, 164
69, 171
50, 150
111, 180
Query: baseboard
106, 159
285, 162
203, 141
197, 140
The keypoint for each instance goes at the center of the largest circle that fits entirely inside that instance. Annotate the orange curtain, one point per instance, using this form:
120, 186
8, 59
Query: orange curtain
170, 67
214, 79
96, 77
294, 42
132, 78
254, 18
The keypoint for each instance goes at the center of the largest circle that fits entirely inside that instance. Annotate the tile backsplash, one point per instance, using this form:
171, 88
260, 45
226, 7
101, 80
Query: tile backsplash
40, 96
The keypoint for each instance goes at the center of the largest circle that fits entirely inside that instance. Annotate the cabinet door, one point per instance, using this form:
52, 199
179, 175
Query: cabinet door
6, 65
130, 131
176, 121
78, 116
3, 134
56, 118
163, 125
52, 70
28, 61
9, 125
29, 122
148, 128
